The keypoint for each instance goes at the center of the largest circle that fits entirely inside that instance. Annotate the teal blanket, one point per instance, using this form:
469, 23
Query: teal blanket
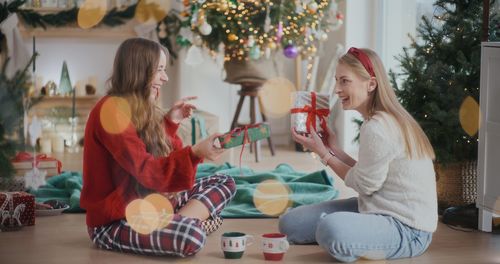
64, 187
304, 188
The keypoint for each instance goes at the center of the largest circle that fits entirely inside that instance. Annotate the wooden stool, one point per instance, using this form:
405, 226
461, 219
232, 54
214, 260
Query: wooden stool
251, 89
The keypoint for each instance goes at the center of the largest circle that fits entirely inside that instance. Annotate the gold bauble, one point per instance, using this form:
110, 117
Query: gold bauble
272, 45
232, 37
223, 6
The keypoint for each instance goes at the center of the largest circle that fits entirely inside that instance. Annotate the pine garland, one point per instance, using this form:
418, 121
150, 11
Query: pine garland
63, 18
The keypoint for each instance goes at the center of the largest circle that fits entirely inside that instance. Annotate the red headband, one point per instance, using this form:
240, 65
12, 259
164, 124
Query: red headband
363, 58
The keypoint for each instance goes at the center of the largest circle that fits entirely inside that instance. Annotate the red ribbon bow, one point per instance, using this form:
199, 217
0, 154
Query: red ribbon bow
236, 133
26, 156
312, 114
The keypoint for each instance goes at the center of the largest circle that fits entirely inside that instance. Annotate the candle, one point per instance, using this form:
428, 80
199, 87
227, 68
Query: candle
93, 81
45, 145
80, 88
74, 102
58, 144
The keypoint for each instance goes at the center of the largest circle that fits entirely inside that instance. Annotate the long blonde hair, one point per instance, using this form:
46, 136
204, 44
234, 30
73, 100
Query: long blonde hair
135, 64
384, 99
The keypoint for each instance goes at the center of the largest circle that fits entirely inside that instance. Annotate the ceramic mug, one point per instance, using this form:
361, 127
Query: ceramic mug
233, 244
274, 246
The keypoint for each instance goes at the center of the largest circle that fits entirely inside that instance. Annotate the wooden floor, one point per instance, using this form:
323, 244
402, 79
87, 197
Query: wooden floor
63, 239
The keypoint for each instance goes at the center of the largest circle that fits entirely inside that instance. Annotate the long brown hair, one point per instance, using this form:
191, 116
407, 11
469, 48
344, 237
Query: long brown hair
135, 64
384, 99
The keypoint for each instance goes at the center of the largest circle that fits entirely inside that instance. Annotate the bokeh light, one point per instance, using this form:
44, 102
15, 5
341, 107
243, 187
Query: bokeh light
152, 11
142, 216
115, 115
272, 197
470, 116
91, 13
276, 97
164, 208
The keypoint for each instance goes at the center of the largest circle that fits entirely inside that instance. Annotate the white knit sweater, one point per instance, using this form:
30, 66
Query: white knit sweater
388, 182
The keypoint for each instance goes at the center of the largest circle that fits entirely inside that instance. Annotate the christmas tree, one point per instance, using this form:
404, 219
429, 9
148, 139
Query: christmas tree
14, 102
251, 29
440, 71
64, 87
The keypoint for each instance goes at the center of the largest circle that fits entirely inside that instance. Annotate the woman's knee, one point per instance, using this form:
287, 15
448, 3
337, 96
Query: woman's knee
292, 225
193, 241
228, 183
333, 234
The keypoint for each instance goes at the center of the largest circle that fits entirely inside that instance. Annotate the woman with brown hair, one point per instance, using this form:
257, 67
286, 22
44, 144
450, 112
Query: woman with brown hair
132, 150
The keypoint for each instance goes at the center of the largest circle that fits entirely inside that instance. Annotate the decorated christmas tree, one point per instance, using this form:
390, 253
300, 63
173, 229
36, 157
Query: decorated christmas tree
252, 29
14, 102
440, 78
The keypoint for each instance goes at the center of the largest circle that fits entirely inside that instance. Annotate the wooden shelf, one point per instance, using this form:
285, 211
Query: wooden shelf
118, 32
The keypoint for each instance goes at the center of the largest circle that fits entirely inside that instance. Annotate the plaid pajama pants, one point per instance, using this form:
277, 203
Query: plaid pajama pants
183, 236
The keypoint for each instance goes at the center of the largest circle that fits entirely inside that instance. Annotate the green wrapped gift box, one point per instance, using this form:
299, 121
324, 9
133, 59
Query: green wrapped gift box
237, 136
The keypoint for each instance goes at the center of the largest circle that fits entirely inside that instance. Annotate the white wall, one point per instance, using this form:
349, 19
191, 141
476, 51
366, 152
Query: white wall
85, 57
381, 25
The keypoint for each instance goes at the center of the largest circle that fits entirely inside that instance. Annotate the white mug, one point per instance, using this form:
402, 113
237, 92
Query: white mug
234, 244
274, 246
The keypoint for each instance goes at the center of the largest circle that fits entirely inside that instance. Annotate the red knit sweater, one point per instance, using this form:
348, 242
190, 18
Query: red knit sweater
112, 163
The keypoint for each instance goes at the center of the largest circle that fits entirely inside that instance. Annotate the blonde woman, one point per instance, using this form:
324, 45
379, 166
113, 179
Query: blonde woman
395, 213
131, 150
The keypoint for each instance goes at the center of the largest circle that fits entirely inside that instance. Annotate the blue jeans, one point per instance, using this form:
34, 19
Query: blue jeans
348, 235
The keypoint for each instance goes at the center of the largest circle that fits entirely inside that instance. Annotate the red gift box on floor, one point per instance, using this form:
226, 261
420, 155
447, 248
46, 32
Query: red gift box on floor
17, 209
23, 163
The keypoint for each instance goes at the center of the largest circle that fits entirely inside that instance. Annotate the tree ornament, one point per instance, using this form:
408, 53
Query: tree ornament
291, 51
298, 7
205, 29
279, 32
267, 22
223, 6
251, 41
272, 45
232, 37
312, 7
255, 52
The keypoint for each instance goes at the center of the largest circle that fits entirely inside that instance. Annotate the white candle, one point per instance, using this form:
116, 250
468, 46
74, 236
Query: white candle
46, 145
93, 80
58, 144
80, 88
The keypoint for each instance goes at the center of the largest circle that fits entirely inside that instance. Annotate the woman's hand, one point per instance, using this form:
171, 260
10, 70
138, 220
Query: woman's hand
181, 110
207, 149
312, 142
331, 139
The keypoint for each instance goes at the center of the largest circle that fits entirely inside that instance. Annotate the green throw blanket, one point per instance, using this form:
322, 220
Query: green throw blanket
64, 187
305, 188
